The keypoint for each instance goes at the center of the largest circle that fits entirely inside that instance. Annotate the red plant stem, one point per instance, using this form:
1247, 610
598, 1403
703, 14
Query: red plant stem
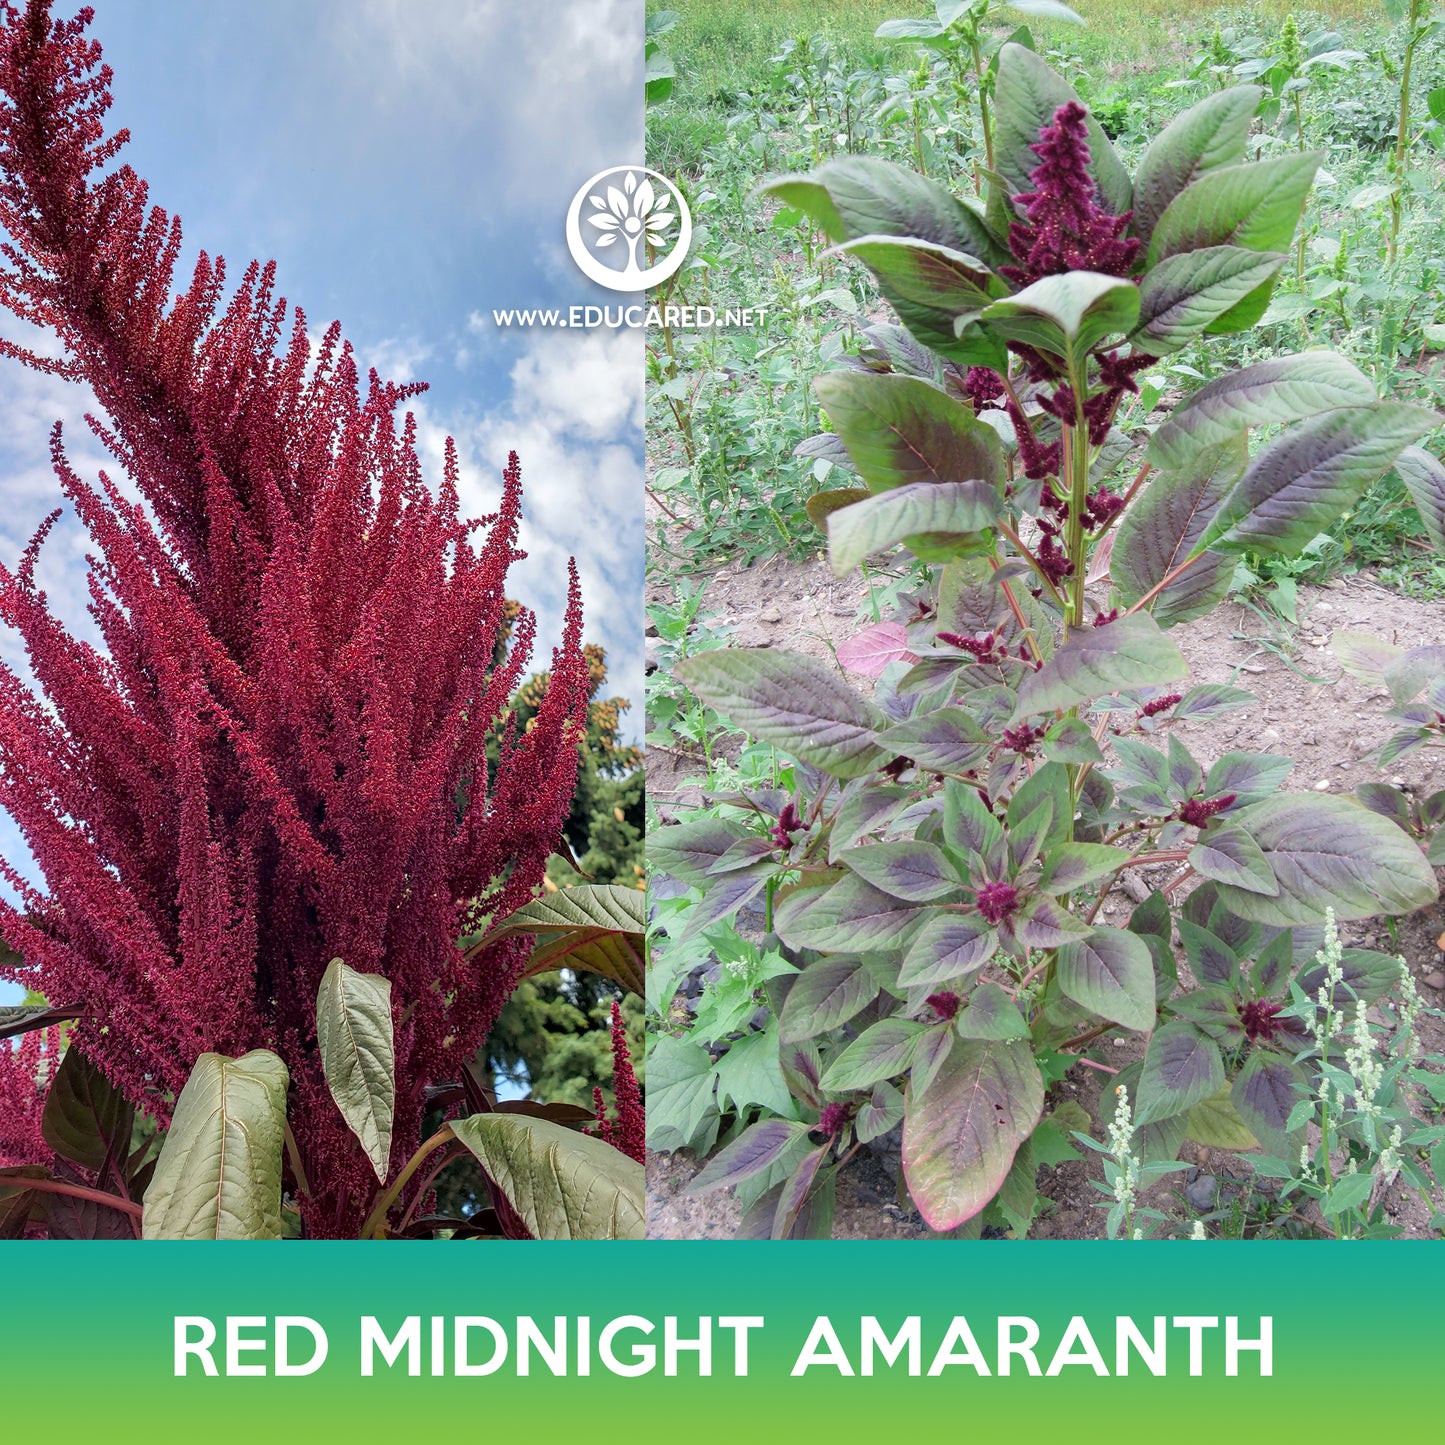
1018, 615
77, 1191
1094, 1064
449, 1156
1028, 556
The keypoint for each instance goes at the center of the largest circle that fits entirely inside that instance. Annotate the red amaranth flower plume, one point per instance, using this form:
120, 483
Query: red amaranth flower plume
26, 1067
280, 756
1196, 812
629, 1132
1066, 229
998, 901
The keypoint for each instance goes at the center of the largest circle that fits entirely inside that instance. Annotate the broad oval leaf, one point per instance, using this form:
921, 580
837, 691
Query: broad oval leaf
563, 1184
948, 946
1264, 1093
86, 1119
1217, 1123
901, 429
849, 915
827, 993
1182, 1067
934, 520
1329, 852
219, 1171
1162, 528
793, 701
595, 926
960, 1139
1206, 137
1096, 661
907, 869
1111, 973
1283, 389
358, 1055
1229, 855
1312, 475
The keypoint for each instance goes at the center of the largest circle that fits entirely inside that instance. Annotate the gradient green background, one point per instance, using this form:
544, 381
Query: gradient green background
86, 1340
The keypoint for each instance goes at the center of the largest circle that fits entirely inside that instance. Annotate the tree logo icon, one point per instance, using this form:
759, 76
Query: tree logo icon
628, 228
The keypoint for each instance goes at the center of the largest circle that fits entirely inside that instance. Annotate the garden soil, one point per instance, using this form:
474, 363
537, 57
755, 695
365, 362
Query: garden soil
1308, 709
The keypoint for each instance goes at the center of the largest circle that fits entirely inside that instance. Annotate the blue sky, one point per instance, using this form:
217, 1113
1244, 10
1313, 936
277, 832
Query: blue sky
408, 166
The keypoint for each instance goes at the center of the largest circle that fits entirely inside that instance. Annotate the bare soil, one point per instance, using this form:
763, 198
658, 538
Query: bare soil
1308, 709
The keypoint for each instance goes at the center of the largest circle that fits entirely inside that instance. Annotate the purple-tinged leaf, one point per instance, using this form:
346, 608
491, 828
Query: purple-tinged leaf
960, 1139
1408, 675
1044, 924
1367, 976
1214, 1009
1424, 479
1251, 777
929, 1057
1212, 960
932, 519
723, 898
1131, 652
1230, 855
990, 1014
20, 1019
757, 1148
948, 946
945, 741
1028, 835
792, 701
901, 430
1181, 1067
687, 851
1210, 700
882, 1051
1264, 1093
742, 854
1189, 293
1270, 393
1072, 865
849, 915
1329, 852
879, 1114
1364, 656
912, 870
967, 824
1206, 137
826, 994
1111, 973
1309, 477
1066, 315
865, 810
796, 1190
870, 651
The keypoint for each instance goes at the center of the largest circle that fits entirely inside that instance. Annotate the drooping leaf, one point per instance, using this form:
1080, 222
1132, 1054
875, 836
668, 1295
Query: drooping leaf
1206, 137
794, 1200
855, 196
358, 1055
86, 1119
1096, 661
1283, 389
960, 1139
1027, 94
1111, 973
219, 1171
17, 1019
901, 430
757, 1148
1424, 479
594, 926
688, 850
1256, 205
1309, 477
1182, 1066
933, 520
826, 994
1327, 852
1067, 315
792, 701
563, 1184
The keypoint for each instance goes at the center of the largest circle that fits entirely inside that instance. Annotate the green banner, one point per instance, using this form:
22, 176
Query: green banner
601, 1342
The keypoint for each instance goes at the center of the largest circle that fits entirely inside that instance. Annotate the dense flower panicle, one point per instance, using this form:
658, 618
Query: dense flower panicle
280, 756
1155, 706
789, 822
832, 1118
26, 1067
628, 1133
945, 1004
1197, 812
998, 901
1066, 229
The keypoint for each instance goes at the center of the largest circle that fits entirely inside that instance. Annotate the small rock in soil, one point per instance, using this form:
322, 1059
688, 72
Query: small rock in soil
1200, 1194
1435, 980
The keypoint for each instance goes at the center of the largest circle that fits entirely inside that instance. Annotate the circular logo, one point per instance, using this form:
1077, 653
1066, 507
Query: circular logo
628, 228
